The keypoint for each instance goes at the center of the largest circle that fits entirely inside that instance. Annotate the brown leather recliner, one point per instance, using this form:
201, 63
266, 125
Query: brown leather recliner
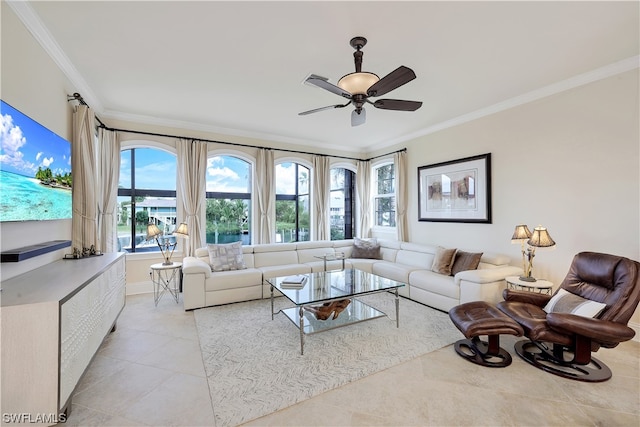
562, 343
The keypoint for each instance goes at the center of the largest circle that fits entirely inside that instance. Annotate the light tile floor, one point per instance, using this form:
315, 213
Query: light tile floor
150, 372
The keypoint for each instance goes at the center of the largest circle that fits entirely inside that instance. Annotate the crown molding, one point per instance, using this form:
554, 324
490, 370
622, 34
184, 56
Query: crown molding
601, 73
36, 27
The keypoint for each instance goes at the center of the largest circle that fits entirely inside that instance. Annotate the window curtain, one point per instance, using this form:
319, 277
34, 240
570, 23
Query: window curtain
402, 195
108, 177
84, 224
321, 194
265, 185
192, 168
363, 193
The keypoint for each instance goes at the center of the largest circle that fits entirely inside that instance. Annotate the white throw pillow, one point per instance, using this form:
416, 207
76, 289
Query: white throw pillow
225, 257
566, 302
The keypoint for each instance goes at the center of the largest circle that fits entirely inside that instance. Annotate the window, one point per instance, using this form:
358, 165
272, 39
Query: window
292, 203
229, 183
342, 203
384, 196
146, 193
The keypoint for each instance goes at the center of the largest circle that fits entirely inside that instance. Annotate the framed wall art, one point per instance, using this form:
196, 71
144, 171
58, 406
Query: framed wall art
456, 191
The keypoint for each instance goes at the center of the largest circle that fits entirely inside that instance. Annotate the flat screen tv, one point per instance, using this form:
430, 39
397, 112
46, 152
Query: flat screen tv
35, 170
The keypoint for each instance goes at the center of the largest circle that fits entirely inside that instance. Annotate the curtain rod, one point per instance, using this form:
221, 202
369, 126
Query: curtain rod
77, 97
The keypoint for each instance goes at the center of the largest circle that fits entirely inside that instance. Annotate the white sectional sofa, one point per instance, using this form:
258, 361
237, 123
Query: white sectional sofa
409, 263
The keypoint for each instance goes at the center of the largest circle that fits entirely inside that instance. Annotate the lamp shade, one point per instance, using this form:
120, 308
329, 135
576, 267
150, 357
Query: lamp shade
182, 231
358, 83
540, 238
153, 231
520, 233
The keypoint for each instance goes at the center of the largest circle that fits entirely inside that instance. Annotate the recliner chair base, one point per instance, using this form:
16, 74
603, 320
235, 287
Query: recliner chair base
541, 355
484, 353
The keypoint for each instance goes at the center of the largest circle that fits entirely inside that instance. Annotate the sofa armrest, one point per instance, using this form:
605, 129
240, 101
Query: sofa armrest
534, 298
484, 284
191, 265
487, 275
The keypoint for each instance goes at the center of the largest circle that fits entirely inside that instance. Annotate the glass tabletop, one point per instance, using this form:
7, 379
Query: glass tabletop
331, 285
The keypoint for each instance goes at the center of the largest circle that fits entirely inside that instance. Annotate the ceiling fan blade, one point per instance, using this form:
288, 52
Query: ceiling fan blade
324, 84
397, 104
304, 113
391, 81
358, 118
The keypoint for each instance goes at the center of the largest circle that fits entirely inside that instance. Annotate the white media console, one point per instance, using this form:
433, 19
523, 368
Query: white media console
53, 320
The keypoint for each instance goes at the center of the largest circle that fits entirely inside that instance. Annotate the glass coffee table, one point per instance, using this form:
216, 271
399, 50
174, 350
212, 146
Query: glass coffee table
328, 299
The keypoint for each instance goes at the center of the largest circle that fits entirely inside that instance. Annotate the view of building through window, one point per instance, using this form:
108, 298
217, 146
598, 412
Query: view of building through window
342, 204
384, 198
146, 194
292, 203
229, 183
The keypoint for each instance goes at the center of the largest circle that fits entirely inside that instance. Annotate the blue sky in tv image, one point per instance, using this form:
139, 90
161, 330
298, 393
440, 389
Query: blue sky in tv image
26, 146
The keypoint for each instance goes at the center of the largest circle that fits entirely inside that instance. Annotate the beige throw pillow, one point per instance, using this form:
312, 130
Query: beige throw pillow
365, 248
566, 302
465, 261
443, 261
225, 257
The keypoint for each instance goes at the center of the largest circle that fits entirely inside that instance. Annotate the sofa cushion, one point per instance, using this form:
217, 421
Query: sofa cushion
435, 283
365, 248
225, 257
464, 261
390, 270
234, 279
443, 260
284, 270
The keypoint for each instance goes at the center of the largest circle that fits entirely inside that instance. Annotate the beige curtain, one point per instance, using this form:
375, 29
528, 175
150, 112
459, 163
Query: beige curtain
321, 194
402, 195
265, 186
108, 177
363, 193
84, 223
192, 168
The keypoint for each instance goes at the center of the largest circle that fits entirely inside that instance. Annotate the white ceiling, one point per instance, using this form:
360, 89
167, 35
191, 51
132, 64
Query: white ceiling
237, 68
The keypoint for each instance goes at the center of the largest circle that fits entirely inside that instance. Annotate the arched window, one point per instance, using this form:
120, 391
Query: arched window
146, 193
229, 183
342, 203
292, 202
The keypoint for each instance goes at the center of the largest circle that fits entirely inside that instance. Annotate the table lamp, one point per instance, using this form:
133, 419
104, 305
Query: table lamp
166, 247
540, 238
520, 235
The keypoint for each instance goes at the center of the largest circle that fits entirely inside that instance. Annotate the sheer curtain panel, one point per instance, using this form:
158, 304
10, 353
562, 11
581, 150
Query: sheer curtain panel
84, 223
363, 192
192, 167
265, 186
108, 176
402, 195
321, 194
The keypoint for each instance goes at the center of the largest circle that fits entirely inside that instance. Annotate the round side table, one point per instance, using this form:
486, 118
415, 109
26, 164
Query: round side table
540, 286
165, 279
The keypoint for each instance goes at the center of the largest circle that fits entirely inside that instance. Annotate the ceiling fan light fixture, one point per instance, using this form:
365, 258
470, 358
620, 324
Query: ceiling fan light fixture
358, 83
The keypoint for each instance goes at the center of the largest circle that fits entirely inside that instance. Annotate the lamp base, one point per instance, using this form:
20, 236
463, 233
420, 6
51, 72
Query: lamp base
171, 263
527, 279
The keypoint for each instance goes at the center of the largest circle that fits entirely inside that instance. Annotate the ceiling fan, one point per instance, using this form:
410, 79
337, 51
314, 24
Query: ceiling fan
358, 87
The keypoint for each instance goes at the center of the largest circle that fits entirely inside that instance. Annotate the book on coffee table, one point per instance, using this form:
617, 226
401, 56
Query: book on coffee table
296, 281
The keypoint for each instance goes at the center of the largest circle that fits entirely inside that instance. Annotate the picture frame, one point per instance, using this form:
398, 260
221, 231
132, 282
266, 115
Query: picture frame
456, 191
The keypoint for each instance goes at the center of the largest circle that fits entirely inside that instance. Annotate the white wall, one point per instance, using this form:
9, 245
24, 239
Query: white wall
570, 162
32, 83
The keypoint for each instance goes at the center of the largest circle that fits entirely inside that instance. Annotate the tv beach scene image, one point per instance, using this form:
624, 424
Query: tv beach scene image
35, 170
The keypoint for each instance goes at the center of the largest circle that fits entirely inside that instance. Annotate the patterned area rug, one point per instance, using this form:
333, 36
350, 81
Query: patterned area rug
254, 367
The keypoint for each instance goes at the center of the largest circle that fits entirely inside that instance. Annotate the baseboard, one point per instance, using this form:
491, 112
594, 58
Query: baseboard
145, 287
